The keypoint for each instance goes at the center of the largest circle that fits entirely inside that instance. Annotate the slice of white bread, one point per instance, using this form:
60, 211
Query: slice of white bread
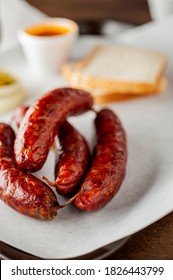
109, 72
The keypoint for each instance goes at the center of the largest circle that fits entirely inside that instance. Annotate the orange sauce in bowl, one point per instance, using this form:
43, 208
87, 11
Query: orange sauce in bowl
47, 30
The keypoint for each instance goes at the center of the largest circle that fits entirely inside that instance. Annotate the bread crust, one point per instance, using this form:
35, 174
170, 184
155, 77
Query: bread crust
104, 89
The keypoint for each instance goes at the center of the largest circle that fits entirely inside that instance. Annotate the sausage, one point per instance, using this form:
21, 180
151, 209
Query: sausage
108, 168
41, 122
18, 116
23, 192
71, 165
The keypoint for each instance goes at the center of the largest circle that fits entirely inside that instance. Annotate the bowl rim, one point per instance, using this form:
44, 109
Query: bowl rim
73, 26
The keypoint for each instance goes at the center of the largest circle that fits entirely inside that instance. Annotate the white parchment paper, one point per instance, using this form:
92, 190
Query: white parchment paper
147, 191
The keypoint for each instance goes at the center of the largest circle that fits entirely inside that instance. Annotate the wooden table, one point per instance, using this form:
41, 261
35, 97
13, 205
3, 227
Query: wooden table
155, 241
152, 243
91, 14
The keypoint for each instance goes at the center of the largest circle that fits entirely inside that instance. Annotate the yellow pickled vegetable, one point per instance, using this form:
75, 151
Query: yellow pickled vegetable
6, 79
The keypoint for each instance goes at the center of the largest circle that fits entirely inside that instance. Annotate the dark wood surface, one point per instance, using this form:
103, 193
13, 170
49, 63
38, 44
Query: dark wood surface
152, 243
91, 14
133, 11
155, 241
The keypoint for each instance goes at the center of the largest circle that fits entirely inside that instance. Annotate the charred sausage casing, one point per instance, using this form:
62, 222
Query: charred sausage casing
18, 116
108, 168
72, 163
41, 122
23, 192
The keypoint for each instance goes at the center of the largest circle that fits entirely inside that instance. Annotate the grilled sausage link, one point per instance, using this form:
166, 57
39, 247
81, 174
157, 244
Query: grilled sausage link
23, 192
108, 168
18, 116
41, 122
71, 164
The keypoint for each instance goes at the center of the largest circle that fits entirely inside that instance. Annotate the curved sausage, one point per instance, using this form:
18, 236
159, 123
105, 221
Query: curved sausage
71, 165
107, 172
39, 126
23, 192
18, 116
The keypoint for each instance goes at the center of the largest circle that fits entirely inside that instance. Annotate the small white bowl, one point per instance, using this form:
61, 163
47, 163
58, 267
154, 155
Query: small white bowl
11, 96
45, 54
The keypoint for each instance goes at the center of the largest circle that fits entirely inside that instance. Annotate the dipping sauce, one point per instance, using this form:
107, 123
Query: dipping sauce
47, 30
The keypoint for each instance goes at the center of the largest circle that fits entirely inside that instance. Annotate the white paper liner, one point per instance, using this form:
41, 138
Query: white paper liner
146, 194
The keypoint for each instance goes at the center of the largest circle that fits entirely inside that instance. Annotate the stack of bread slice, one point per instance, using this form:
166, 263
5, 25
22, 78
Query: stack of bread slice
118, 72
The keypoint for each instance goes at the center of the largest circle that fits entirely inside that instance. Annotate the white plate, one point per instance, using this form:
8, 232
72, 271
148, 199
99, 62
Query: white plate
146, 194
